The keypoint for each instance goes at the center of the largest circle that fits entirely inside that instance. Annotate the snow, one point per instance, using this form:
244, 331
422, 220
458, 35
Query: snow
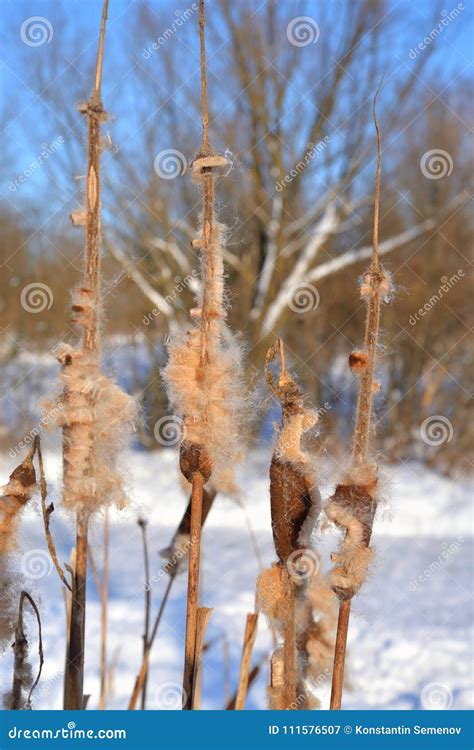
410, 634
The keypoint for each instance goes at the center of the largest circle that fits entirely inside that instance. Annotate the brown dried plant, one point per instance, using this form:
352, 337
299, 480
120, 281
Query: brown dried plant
203, 377
353, 505
94, 410
295, 506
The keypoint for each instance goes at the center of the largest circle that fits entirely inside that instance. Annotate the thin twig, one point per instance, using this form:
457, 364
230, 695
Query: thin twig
47, 511
146, 562
146, 657
20, 650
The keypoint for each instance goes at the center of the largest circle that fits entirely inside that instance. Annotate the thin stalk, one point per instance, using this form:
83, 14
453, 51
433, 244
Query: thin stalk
46, 512
146, 563
185, 528
340, 655
289, 645
193, 590
249, 640
104, 601
364, 409
146, 657
74, 677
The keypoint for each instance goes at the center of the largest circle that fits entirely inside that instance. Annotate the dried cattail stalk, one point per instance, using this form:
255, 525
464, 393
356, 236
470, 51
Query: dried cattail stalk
353, 505
175, 554
93, 410
295, 506
203, 377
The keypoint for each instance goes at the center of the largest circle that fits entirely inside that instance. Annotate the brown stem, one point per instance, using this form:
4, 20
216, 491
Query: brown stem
364, 406
74, 677
249, 640
289, 645
340, 655
193, 590
205, 115
104, 601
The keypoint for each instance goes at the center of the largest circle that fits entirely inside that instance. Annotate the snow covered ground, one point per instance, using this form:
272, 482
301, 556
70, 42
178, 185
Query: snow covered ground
410, 635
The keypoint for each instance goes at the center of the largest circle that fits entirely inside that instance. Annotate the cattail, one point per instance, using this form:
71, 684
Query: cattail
295, 506
94, 411
204, 378
353, 505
